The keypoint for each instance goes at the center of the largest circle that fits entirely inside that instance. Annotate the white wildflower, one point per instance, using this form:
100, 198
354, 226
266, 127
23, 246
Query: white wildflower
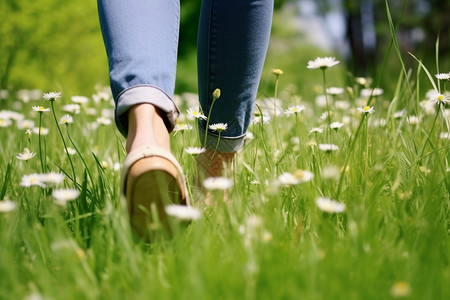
183, 212
322, 63
217, 183
330, 206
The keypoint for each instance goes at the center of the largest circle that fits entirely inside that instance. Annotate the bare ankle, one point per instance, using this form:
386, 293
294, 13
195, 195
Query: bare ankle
146, 127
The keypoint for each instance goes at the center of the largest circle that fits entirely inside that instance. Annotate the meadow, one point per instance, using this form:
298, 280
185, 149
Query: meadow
345, 196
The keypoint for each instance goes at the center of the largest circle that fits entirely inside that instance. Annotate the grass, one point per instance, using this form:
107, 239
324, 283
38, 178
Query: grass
273, 241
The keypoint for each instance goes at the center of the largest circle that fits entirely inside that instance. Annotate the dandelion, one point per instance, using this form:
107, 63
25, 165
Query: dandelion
330, 206
400, 289
443, 76
194, 150
336, 125
31, 180
104, 121
294, 110
7, 205
183, 212
217, 183
72, 108
62, 196
366, 109
322, 63
66, 119
26, 155
218, 127
194, 113
40, 109
51, 96
328, 147
315, 130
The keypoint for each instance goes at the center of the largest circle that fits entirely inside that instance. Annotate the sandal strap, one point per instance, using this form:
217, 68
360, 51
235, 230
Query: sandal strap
148, 151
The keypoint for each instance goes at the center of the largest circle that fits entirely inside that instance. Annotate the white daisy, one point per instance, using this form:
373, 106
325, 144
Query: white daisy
297, 177
41, 131
443, 76
322, 63
194, 150
51, 96
366, 109
70, 151
40, 109
374, 92
183, 212
26, 155
335, 90
7, 205
194, 113
444, 135
294, 110
52, 177
72, 108
181, 127
315, 130
66, 119
25, 124
104, 121
32, 179
219, 127
217, 183
62, 196
336, 125
330, 206
328, 147
438, 98
80, 99
4, 122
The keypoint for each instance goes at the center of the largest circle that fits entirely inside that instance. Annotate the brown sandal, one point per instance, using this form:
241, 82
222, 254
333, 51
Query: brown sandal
151, 179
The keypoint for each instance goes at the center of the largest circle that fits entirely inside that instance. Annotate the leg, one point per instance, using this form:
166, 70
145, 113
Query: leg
232, 45
141, 41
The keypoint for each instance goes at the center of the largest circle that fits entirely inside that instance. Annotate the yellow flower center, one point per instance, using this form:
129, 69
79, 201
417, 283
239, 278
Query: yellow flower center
440, 97
366, 108
300, 174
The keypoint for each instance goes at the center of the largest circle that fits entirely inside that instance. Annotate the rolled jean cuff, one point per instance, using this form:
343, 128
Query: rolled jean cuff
144, 94
224, 144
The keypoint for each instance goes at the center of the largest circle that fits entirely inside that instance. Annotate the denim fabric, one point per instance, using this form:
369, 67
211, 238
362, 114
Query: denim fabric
141, 41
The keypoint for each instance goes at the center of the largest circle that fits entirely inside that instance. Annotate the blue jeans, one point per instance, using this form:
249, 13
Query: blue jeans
141, 40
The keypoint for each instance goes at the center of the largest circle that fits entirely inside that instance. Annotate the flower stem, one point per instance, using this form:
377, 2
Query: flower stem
328, 106
207, 122
65, 146
40, 145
